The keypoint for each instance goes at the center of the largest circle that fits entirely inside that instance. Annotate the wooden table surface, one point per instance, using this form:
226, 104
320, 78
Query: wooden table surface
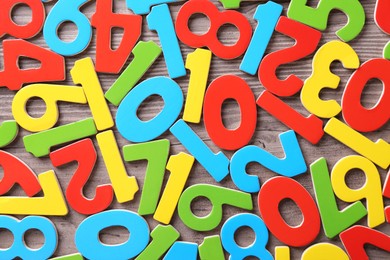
369, 44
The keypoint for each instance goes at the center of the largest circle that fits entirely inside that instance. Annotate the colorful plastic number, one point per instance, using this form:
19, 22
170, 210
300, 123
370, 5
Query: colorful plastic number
107, 59
51, 204
318, 17
84, 153
156, 153
8, 131
282, 253
39, 144
377, 152
198, 62
87, 235
50, 94
218, 196
83, 73
19, 227
145, 53
163, 239
309, 127
322, 77
216, 164
324, 251
371, 190
271, 194
15, 171
355, 238
136, 130
51, 64
211, 248
381, 19
355, 114
257, 248
143, 7
67, 11
306, 41
210, 38
124, 186
182, 250
160, 20
266, 15
180, 166
334, 221
8, 26
221, 89
291, 165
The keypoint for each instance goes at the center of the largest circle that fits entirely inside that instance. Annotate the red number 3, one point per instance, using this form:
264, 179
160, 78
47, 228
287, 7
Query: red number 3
210, 38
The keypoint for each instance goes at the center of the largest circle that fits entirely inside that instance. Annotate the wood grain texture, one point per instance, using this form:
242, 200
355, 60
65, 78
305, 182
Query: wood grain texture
369, 44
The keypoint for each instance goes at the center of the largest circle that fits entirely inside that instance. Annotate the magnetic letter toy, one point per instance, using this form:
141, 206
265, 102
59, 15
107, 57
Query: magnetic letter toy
76, 256
257, 248
216, 164
52, 65
67, 11
83, 73
291, 165
198, 62
210, 38
322, 77
218, 197
318, 17
355, 114
271, 194
377, 152
282, 253
50, 94
136, 130
29, 30
87, 235
371, 190
221, 89
18, 228
109, 60
386, 193
39, 144
306, 41
266, 15
145, 53
83, 152
180, 166
156, 153
163, 238
160, 20
333, 220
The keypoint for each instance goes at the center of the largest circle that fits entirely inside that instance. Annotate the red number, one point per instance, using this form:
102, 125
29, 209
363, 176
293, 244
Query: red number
271, 194
221, 89
107, 59
84, 153
306, 39
8, 26
210, 38
52, 65
357, 116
